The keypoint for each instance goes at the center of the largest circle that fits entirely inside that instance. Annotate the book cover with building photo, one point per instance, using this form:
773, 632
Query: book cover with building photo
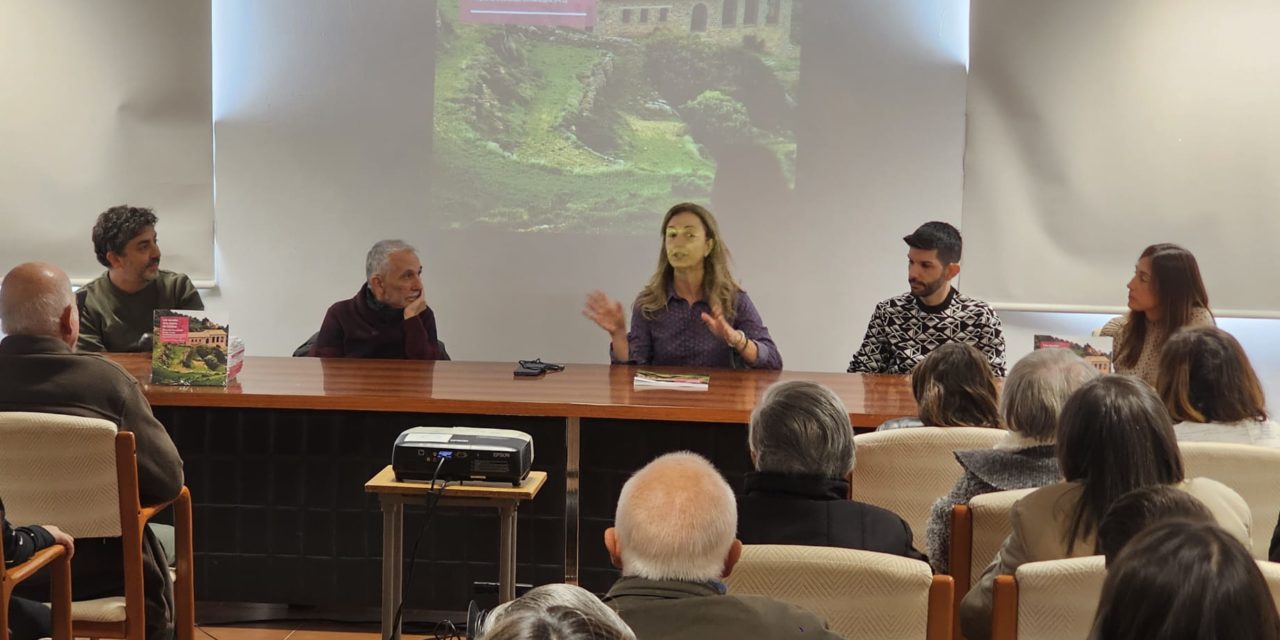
188, 348
1096, 350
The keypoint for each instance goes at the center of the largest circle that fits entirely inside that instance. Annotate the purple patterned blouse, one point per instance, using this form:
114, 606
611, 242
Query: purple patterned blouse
677, 336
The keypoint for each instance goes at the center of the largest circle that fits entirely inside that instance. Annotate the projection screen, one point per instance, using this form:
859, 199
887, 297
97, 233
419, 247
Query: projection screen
592, 114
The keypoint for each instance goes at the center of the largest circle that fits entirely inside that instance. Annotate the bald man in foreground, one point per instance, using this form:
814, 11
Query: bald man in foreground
673, 539
41, 372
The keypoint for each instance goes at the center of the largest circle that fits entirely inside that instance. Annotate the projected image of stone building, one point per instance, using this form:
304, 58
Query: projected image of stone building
728, 22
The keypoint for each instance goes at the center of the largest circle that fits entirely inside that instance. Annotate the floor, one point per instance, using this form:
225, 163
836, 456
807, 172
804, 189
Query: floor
278, 631
303, 631
217, 621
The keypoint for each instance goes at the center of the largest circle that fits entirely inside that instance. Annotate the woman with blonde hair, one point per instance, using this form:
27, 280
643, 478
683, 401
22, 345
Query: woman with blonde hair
1166, 293
692, 312
1211, 390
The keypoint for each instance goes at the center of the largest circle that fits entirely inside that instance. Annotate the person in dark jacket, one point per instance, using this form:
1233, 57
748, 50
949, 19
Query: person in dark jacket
802, 445
29, 619
39, 372
673, 540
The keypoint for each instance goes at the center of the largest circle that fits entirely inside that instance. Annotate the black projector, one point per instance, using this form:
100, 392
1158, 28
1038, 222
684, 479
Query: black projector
491, 455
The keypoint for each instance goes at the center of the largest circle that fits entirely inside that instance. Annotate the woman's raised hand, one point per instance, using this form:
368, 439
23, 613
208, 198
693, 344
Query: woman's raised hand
606, 312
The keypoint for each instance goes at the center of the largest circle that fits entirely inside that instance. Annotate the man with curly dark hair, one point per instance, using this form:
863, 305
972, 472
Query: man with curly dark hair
116, 308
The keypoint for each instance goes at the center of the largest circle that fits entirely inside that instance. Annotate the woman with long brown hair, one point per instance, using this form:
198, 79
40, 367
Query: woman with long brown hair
1211, 390
692, 312
1183, 580
1114, 436
1166, 293
954, 387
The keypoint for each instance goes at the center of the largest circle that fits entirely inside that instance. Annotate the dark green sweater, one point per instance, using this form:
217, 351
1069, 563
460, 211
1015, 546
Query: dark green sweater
112, 320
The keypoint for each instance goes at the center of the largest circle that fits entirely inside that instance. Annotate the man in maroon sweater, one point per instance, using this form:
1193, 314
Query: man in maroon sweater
388, 317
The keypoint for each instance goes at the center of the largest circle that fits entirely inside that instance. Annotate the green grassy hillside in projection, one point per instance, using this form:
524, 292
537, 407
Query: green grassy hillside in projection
539, 129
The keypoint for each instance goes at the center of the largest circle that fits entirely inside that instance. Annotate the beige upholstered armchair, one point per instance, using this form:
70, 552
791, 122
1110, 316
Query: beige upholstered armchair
1253, 471
862, 594
81, 474
907, 470
1053, 600
977, 531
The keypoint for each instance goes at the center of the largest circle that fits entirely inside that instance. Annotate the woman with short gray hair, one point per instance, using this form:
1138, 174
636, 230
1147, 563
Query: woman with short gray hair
1033, 395
801, 442
554, 612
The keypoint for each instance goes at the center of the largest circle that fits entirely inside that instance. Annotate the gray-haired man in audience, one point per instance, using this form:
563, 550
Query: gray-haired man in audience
674, 540
802, 446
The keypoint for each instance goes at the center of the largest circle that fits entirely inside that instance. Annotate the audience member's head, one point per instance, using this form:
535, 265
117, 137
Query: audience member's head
1164, 292
124, 241
1141, 508
36, 300
1205, 376
1114, 436
1181, 580
801, 428
394, 273
1036, 389
676, 520
954, 387
554, 612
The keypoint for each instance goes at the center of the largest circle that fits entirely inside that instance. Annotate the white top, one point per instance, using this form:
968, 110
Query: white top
1264, 433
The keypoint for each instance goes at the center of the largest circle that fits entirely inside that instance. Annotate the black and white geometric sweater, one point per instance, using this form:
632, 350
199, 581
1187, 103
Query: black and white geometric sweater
903, 330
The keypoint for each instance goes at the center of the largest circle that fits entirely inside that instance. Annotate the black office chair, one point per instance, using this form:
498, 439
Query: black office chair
304, 349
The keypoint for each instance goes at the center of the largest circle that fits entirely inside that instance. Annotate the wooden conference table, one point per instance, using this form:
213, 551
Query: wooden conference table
285, 451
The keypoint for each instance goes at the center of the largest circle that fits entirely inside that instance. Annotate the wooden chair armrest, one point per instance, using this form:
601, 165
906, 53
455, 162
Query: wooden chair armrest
1004, 608
941, 612
184, 583
134, 517
40, 560
960, 552
145, 514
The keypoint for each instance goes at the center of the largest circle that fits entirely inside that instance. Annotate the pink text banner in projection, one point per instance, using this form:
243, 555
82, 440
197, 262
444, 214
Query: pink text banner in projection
579, 14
